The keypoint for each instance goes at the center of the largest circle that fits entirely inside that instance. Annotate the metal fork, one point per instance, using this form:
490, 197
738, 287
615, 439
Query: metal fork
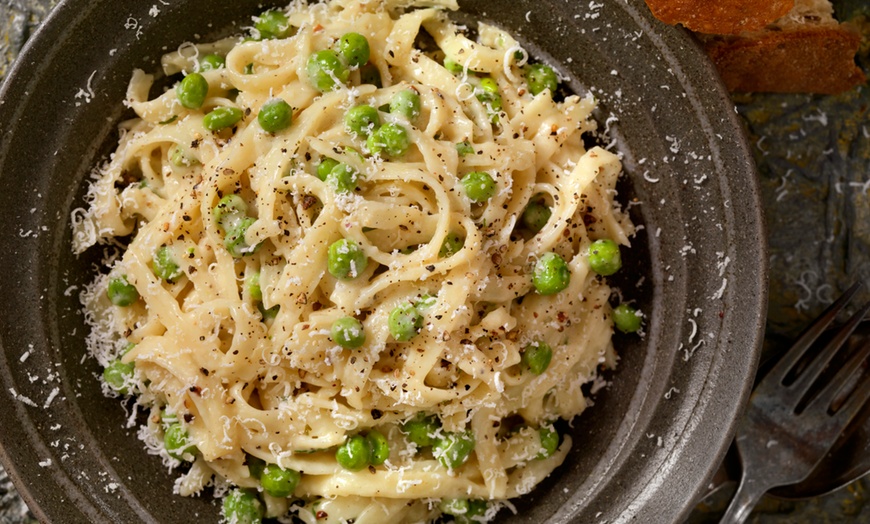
780, 445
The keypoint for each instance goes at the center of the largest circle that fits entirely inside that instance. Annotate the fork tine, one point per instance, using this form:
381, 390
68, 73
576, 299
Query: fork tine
814, 368
824, 399
779, 371
859, 396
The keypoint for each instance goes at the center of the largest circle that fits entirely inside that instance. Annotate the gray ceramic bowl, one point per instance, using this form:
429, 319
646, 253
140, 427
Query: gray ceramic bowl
645, 449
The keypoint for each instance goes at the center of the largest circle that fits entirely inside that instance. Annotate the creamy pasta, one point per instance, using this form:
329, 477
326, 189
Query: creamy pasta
357, 280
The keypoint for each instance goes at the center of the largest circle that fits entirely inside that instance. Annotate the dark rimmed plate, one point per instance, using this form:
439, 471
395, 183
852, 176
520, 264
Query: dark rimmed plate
698, 268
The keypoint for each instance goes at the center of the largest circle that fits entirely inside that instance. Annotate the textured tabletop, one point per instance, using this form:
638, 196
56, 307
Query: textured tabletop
813, 156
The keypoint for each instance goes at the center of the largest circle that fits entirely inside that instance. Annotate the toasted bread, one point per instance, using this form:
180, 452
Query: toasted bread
804, 51
812, 60
722, 17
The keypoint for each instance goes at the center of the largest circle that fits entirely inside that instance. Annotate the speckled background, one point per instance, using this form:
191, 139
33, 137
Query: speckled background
813, 155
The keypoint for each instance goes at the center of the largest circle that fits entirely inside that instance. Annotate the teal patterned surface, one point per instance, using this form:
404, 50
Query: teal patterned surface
813, 156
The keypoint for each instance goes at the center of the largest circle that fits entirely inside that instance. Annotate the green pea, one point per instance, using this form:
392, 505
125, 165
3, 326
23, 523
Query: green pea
477, 507
405, 322
256, 465
325, 166
354, 48
117, 375
191, 92
270, 313
493, 103
177, 442
121, 292
275, 115
464, 148
478, 186
212, 61
604, 257
536, 216
540, 77
421, 429
488, 94
451, 245
626, 318
273, 24
181, 158
348, 333
164, 265
537, 356
222, 118
370, 74
279, 482
229, 211
406, 103
253, 282
453, 449
380, 448
453, 66
362, 120
391, 139
342, 178
464, 511
354, 454
243, 507
346, 260
551, 274
326, 71
373, 145
549, 441
489, 85
234, 240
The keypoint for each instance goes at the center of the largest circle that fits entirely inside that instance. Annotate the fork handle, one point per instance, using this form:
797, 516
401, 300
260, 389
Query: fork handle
748, 494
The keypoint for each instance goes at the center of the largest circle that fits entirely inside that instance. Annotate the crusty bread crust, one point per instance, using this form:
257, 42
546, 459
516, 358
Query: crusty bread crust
810, 60
721, 17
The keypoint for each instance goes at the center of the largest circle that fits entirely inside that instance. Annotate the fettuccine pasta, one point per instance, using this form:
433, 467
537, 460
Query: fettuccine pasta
356, 281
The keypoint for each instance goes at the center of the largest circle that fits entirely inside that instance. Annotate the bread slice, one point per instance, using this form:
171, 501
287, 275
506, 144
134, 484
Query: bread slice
721, 17
803, 51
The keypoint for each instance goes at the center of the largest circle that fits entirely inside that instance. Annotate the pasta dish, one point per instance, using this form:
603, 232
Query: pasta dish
360, 265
